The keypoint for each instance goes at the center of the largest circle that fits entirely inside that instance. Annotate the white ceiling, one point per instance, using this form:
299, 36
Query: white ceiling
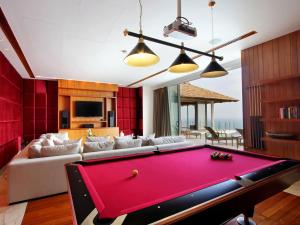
83, 39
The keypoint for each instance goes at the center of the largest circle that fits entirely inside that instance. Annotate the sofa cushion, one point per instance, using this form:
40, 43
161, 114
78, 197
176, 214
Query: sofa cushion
34, 149
166, 140
58, 150
47, 142
97, 138
61, 136
146, 139
98, 146
128, 143
130, 137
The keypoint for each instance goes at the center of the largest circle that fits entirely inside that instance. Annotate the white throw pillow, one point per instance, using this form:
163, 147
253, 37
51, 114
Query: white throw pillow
76, 141
62, 136
97, 138
127, 137
59, 150
128, 143
98, 146
47, 142
146, 139
34, 150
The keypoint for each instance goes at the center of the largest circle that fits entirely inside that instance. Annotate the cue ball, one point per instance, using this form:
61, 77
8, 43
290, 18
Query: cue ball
135, 172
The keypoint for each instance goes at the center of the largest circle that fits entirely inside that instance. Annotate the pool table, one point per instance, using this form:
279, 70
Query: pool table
175, 187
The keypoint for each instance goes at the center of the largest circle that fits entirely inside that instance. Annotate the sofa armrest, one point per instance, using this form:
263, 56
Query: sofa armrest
38, 177
118, 152
173, 146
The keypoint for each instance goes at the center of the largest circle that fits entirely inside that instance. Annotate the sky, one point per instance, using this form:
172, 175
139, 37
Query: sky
230, 85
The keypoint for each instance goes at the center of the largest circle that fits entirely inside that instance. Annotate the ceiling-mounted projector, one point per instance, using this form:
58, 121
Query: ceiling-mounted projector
181, 28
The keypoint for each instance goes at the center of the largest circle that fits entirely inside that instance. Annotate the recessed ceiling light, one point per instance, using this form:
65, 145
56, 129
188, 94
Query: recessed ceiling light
6, 49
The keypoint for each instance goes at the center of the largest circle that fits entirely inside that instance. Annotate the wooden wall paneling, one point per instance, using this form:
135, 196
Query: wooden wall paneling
246, 102
251, 67
82, 85
298, 50
271, 72
85, 93
276, 73
255, 66
260, 62
268, 59
284, 56
71, 91
294, 53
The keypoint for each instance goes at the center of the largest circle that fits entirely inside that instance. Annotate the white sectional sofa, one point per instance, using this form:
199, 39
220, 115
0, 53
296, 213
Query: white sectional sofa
38, 177
30, 178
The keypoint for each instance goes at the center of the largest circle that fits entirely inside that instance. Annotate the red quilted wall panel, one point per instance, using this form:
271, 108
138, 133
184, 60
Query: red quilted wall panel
40, 107
130, 110
10, 111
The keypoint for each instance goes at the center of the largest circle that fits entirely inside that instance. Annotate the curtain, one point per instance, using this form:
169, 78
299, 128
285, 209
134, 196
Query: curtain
161, 113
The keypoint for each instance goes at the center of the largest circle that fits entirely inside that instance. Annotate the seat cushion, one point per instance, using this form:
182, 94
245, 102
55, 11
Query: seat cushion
98, 146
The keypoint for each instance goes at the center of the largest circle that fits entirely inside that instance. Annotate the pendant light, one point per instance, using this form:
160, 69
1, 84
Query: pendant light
141, 55
214, 69
183, 63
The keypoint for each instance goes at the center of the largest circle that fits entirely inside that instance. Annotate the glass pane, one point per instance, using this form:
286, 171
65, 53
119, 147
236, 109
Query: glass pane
173, 94
191, 117
184, 119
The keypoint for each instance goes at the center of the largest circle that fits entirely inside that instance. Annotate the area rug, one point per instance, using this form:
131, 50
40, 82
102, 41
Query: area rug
9, 214
294, 189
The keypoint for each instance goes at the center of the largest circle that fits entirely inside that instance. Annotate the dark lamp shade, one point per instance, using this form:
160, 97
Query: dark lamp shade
141, 56
183, 64
214, 69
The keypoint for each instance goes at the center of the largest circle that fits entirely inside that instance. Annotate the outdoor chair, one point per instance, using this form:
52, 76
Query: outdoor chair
216, 136
239, 137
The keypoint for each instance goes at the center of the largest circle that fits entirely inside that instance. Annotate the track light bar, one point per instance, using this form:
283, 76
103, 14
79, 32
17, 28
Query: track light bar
129, 33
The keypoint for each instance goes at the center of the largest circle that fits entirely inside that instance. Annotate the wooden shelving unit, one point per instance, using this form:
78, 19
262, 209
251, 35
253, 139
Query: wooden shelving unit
71, 91
271, 80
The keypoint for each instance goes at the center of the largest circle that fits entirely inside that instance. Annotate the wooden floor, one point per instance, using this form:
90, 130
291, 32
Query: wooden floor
281, 209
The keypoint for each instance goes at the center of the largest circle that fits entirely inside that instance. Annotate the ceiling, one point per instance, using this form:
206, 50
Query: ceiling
83, 39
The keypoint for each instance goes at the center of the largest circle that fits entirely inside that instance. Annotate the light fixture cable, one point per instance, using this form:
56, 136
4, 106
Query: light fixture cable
141, 14
211, 5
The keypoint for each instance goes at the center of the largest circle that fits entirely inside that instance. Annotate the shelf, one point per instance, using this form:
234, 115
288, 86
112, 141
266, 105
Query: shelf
280, 79
89, 121
281, 120
288, 141
289, 99
275, 80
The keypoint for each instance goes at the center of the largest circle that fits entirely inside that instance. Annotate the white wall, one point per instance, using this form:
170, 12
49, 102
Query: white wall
147, 110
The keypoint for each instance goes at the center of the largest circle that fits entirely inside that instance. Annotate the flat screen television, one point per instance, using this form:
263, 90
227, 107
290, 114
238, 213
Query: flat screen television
88, 109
